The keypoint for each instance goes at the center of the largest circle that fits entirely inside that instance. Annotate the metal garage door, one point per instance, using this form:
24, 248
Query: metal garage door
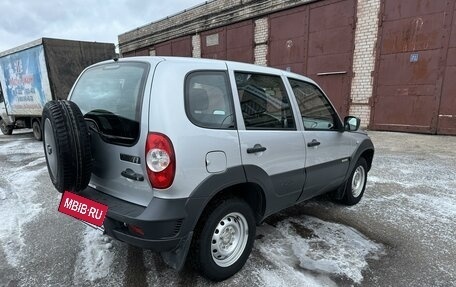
140, 52
410, 69
233, 42
317, 40
288, 39
176, 47
447, 110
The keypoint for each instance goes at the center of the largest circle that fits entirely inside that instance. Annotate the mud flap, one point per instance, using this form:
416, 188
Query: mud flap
339, 193
176, 258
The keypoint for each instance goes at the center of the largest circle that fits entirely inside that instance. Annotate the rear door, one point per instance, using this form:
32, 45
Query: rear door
272, 149
328, 148
114, 99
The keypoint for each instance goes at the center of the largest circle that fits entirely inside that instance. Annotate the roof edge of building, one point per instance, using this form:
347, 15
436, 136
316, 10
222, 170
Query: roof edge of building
206, 16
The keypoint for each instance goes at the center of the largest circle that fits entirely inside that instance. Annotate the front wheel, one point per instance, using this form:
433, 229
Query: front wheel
223, 242
6, 130
356, 184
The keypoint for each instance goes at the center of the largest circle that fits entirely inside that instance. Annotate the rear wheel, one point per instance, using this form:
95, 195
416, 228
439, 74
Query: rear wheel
6, 130
36, 126
66, 146
223, 242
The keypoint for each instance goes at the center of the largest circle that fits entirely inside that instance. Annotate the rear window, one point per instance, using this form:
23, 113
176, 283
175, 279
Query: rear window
110, 96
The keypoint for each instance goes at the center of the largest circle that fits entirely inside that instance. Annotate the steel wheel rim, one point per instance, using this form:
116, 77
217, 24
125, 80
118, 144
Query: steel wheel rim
358, 180
229, 239
49, 147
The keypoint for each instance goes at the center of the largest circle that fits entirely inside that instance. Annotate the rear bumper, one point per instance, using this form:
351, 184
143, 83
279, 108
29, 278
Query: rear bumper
166, 223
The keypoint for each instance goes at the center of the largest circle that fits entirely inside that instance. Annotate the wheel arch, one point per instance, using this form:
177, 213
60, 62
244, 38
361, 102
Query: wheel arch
366, 150
250, 192
217, 187
369, 156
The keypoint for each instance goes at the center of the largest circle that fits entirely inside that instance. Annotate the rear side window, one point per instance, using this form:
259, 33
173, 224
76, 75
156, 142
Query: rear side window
208, 100
111, 95
264, 102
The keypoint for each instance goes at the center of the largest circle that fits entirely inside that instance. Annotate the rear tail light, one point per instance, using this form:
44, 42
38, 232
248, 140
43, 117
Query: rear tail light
160, 160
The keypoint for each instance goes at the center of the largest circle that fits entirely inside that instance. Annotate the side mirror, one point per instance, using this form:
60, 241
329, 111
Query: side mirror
351, 123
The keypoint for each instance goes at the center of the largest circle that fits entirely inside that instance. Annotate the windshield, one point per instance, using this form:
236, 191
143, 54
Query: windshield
110, 96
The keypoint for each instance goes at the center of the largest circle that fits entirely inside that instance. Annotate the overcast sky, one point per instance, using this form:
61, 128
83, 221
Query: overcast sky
22, 21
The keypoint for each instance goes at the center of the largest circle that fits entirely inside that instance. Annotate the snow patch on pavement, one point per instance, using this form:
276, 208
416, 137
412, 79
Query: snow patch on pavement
439, 208
411, 171
15, 150
304, 248
17, 205
96, 257
287, 276
426, 193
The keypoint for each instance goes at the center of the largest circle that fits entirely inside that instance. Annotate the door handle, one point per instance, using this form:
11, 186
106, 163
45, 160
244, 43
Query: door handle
314, 142
129, 173
256, 148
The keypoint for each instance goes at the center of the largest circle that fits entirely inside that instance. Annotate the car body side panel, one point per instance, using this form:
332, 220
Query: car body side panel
284, 157
278, 160
191, 143
327, 163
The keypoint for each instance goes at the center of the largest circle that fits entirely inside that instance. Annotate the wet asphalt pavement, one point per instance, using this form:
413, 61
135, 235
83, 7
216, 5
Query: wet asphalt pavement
402, 233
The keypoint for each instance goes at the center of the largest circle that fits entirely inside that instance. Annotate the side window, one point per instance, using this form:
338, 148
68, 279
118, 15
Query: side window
264, 102
316, 111
208, 100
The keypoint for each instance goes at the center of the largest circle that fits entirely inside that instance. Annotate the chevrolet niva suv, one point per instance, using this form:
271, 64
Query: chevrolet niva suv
190, 154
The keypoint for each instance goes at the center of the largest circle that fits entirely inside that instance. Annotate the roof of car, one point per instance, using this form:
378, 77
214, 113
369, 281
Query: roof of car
155, 59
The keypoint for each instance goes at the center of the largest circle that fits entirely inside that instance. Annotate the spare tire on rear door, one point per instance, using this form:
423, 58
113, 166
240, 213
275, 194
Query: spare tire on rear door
66, 144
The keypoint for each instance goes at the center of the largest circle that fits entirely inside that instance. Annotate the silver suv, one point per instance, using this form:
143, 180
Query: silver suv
189, 155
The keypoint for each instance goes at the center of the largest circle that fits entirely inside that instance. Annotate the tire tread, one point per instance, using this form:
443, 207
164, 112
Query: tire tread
74, 158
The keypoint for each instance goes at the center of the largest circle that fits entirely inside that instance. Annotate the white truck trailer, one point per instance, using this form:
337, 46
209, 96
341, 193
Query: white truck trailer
37, 72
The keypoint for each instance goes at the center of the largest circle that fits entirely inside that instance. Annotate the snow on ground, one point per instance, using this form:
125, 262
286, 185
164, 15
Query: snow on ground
411, 171
17, 191
420, 191
306, 248
430, 207
96, 257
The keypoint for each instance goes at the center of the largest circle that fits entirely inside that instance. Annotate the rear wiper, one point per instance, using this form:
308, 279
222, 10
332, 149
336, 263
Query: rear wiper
111, 137
94, 128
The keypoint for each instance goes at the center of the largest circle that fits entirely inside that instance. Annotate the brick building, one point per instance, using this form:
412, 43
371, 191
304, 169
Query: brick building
389, 62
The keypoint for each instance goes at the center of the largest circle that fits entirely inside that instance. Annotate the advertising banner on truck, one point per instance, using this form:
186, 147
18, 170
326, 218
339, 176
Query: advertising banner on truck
24, 80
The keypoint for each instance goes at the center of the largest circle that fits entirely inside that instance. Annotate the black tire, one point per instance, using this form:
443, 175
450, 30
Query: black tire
66, 145
204, 247
36, 126
356, 184
6, 130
